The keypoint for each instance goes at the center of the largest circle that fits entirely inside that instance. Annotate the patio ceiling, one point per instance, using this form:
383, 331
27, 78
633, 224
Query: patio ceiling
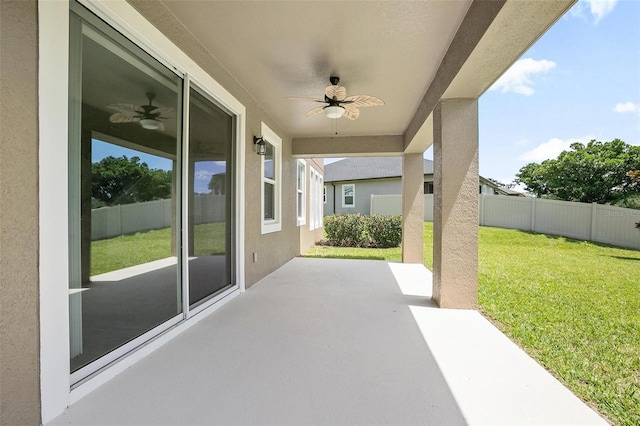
408, 53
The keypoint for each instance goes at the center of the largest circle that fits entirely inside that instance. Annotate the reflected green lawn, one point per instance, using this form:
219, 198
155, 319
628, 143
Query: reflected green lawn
141, 247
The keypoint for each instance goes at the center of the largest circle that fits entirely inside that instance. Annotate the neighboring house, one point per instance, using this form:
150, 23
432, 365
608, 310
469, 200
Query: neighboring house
489, 188
350, 183
197, 89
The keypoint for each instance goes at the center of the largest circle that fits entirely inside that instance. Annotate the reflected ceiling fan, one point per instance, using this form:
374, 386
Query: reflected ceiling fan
148, 116
339, 104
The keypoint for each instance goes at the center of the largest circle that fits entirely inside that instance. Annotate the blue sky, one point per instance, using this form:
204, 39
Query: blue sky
579, 81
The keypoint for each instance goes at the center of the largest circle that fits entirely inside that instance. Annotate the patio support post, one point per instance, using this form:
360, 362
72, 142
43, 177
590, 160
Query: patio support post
412, 208
455, 220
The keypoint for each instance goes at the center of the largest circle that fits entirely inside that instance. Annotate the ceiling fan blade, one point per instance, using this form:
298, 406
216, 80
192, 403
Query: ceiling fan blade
314, 111
307, 99
338, 91
364, 101
351, 113
125, 108
119, 117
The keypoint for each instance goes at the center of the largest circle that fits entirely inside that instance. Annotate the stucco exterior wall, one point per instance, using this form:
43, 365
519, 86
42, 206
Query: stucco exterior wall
273, 249
309, 237
19, 323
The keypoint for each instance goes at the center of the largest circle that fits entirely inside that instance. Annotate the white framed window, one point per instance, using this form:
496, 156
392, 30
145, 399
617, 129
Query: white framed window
324, 195
271, 172
349, 195
315, 197
301, 192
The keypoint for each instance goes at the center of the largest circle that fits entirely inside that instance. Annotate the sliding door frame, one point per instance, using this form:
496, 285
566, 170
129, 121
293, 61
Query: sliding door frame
53, 23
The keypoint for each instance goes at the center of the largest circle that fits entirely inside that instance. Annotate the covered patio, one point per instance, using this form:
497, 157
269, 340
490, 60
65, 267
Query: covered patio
316, 341
331, 341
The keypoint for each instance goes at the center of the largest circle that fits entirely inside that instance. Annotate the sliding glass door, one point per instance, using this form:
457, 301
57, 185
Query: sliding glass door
210, 198
151, 204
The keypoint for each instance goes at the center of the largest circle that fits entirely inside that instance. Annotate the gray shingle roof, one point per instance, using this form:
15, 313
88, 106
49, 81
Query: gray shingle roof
358, 168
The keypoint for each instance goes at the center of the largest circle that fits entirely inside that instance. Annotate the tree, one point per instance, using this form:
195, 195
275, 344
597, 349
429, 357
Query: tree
125, 181
594, 173
500, 184
218, 183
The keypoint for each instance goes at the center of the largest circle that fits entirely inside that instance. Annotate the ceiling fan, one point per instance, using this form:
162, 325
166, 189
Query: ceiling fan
148, 116
339, 104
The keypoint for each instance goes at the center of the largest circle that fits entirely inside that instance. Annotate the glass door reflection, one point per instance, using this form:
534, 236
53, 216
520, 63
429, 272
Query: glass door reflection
124, 186
209, 244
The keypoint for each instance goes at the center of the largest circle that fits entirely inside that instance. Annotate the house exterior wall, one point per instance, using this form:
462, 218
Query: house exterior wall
363, 191
309, 237
366, 188
19, 319
487, 190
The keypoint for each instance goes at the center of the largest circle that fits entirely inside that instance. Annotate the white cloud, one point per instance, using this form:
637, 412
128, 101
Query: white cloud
623, 107
202, 175
522, 142
596, 8
517, 79
577, 11
551, 149
601, 8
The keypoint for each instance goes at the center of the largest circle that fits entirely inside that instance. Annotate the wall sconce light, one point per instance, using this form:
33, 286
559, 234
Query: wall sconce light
261, 148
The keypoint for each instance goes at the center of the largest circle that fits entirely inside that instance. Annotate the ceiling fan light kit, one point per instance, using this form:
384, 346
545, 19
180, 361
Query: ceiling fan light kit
339, 104
333, 111
148, 116
149, 123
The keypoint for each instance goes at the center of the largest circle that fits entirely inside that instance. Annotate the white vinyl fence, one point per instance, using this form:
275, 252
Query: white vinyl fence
107, 222
593, 222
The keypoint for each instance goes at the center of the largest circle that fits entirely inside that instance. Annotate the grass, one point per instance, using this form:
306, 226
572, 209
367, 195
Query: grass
572, 305
141, 247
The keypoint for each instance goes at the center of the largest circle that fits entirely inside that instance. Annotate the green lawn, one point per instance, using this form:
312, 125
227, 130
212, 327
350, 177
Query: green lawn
572, 305
133, 249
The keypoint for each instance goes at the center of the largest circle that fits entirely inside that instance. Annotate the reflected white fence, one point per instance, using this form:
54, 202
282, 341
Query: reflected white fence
108, 222
593, 222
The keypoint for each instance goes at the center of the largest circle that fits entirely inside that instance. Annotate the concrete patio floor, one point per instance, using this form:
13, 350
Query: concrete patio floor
328, 341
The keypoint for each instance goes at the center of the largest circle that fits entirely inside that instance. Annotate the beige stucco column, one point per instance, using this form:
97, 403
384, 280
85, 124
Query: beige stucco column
412, 208
455, 216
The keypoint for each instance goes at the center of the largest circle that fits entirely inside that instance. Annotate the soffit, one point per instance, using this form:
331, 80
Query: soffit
276, 50
518, 25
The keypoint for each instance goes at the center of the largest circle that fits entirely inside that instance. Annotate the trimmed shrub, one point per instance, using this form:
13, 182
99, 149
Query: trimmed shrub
356, 230
384, 231
345, 230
